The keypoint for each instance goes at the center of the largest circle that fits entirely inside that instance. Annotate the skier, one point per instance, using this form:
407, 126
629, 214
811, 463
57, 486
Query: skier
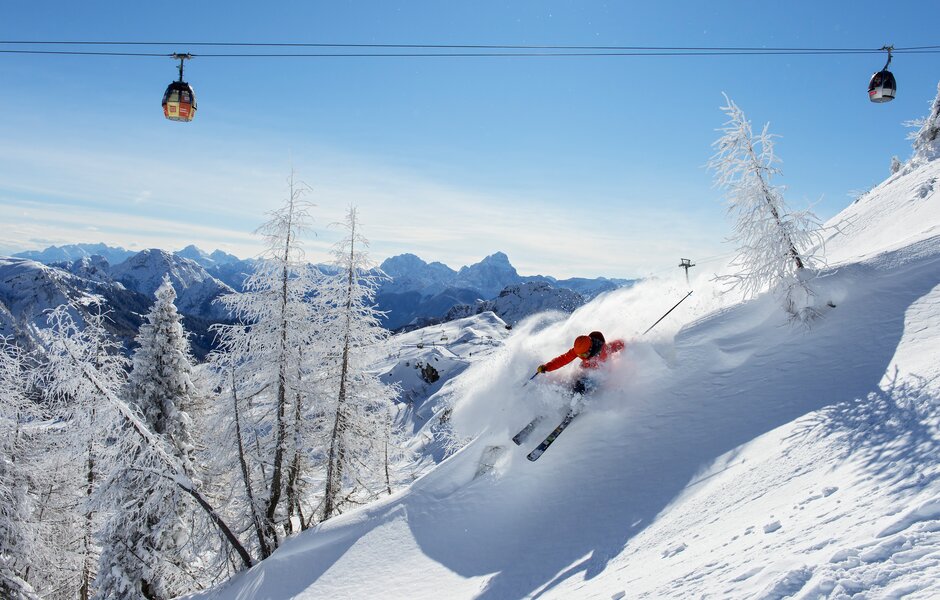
593, 351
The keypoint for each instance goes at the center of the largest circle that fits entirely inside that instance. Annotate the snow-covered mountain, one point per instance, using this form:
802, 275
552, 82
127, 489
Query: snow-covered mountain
28, 289
225, 267
94, 268
409, 273
728, 454
198, 256
72, 252
517, 302
196, 290
418, 293
490, 276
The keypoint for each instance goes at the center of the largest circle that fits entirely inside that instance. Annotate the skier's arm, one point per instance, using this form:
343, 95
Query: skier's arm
615, 346
559, 361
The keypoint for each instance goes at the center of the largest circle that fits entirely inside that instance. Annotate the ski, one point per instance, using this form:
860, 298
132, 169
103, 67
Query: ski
524, 433
548, 441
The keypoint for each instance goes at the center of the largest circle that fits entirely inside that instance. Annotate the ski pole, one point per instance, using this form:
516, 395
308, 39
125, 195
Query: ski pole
667, 312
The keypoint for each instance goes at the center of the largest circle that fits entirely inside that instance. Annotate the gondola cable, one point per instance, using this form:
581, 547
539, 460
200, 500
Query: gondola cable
179, 100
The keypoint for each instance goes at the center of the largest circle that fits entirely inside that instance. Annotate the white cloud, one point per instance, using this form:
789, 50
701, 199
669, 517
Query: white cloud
171, 199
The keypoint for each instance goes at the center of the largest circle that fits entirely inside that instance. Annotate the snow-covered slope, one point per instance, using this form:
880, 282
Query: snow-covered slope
427, 362
902, 210
728, 454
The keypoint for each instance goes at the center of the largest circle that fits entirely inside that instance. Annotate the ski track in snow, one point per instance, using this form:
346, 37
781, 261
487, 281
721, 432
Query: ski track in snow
743, 458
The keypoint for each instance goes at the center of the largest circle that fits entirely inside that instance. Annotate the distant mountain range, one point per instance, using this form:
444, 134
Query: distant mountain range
73, 252
29, 288
416, 293
420, 293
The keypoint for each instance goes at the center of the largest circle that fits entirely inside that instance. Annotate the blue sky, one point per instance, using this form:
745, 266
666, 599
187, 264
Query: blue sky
572, 166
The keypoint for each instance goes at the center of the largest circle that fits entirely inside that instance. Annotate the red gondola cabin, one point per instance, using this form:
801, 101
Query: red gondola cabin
179, 102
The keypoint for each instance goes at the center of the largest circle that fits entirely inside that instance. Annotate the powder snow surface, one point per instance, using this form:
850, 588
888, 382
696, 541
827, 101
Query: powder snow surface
727, 454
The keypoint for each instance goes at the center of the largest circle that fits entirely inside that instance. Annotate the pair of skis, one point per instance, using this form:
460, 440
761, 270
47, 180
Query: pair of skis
524, 433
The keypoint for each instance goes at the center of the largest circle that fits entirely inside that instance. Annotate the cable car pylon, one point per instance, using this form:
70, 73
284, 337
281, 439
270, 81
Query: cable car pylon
686, 264
179, 100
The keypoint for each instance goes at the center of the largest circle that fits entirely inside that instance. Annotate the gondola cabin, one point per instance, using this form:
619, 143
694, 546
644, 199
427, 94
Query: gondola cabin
179, 102
882, 87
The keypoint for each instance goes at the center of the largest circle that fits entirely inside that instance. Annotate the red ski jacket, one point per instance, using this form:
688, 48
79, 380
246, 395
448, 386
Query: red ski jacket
586, 363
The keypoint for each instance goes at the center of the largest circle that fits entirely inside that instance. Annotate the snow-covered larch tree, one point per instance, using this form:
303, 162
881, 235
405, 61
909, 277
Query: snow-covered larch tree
775, 247
263, 363
17, 534
147, 543
358, 413
82, 364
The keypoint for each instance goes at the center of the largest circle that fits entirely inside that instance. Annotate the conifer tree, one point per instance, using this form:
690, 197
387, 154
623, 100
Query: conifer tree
83, 375
927, 137
896, 164
146, 540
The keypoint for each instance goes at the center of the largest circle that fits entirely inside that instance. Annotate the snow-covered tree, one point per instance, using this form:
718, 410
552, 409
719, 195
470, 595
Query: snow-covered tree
263, 363
147, 540
358, 416
896, 164
82, 364
160, 384
775, 247
82, 377
17, 532
927, 137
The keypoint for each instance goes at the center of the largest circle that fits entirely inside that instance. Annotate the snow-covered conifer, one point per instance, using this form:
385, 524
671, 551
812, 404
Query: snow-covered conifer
774, 246
358, 414
927, 137
896, 164
264, 365
146, 541
83, 376
160, 384
17, 533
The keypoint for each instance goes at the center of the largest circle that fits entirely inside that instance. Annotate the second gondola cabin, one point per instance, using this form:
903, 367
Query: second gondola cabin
179, 102
882, 87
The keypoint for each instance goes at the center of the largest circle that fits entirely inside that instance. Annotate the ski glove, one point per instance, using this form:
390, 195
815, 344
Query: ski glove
541, 369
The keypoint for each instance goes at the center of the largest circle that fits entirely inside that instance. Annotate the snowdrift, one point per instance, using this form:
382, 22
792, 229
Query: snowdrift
727, 454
